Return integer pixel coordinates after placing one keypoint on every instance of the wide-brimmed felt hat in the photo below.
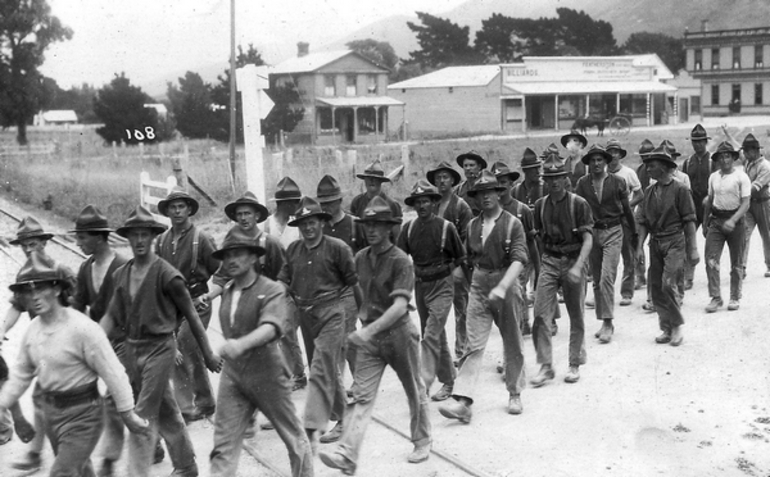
(596, 150)
(660, 153)
(308, 207)
(29, 228)
(500, 169)
(328, 190)
(529, 159)
(487, 181)
(670, 148)
(698, 133)
(553, 166)
(471, 155)
(178, 194)
(378, 210)
(576, 135)
(750, 142)
(91, 219)
(614, 144)
(237, 238)
(725, 147)
(248, 199)
(551, 149)
(422, 188)
(38, 268)
(374, 171)
(287, 189)
(140, 218)
(444, 166)
(646, 147)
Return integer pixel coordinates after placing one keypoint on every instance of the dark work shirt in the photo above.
(462, 191)
(459, 213)
(529, 193)
(505, 244)
(559, 230)
(88, 296)
(344, 230)
(699, 169)
(521, 212)
(614, 194)
(666, 208)
(313, 272)
(179, 254)
(644, 178)
(422, 240)
(384, 276)
(152, 311)
(575, 169)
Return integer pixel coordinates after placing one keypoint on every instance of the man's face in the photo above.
(87, 242)
(751, 153)
(489, 199)
(615, 162)
(373, 186)
(556, 184)
(471, 168)
(726, 162)
(699, 145)
(40, 297)
(311, 228)
(33, 244)
(532, 174)
(444, 181)
(332, 208)
(376, 232)
(246, 217)
(140, 240)
(178, 211)
(506, 182)
(655, 169)
(238, 261)
(597, 163)
(287, 207)
(574, 145)
(424, 207)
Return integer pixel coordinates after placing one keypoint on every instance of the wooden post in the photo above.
(252, 81)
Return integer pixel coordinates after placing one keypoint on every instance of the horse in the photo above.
(581, 124)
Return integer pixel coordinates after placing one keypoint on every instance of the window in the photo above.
(698, 60)
(694, 105)
(736, 57)
(350, 82)
(367, 120)
(758, 93)
(715, 94)
(736, 96)
(759, 53)
(329, 87)
(451, 89)
(325, 119)
(715, 58)
(371, 87)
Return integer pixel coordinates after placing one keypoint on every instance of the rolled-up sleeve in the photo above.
(403, 278)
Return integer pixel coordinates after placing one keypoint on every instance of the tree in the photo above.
(120, 107)
(27, 29)
(285, 115)
(191, 105)
(669, 49)
(495, 39)
(588, 36)
(380, 52)
(442, 43)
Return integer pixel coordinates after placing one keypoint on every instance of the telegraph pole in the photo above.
(233, 101)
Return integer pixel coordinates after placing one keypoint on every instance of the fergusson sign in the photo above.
(575, 69)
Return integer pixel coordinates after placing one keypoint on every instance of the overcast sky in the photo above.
(145, 38)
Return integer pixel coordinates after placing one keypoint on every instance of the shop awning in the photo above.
(559, 87)
(359, 101)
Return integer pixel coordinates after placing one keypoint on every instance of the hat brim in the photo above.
(475, 157)
(514, 175)
(580, 137)
(375, 219)
(532, 165)
(431, 175)
(693, 138)
(373, 176)
(410, 200)
(472, 193)
(555, 174)
(15, 287)
(220, 254)
(623, 152)
(163, 205)
(320, 215)
(328, 198)
(43, 236)
(155, 227)
(606, 155)
(657, 157)
(233, 206)
(716, 155)
(91, 229)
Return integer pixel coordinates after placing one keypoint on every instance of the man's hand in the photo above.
(497, 293)
(360, 337)
(693, 257)
(134, 423)
(213, 362)
(202, 303)
(728, 226)
(574, 274)
(179, 358)
(230, 350)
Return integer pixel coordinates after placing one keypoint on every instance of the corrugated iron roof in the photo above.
(309, 62)
(453, 76)
(350, 101)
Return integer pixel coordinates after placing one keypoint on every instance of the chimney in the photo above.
(704, 25)
(303, 48)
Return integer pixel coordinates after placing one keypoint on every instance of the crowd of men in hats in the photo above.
(488, 246)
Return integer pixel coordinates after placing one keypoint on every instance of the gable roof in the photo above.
(478, 75)
(314, 61)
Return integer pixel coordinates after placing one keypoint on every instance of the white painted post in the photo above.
(252, 81)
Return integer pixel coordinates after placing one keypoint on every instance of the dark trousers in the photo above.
(242, 392)
(628, 253)
(667, 260)
(758, 216)
(323, 329)
(460, 302)
(192, 387)
(149, 363)
(292, 353)
(434, 299)
(715, 243)
(74, 432)
(399, 348)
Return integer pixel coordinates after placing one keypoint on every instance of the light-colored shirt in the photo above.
(727, 190)
(65, 355)
(285, 235)
(632, 181)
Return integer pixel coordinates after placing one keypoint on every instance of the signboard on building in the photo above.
(582, 69)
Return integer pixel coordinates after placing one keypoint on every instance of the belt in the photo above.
(607, 224)
(490, 270)
(73, 397)
(322, 299)
(666, 235)
(723, 214)
(148, 338)
(558, 254)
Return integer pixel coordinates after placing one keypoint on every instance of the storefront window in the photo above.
(634, 105)
(366, 120)
(571, 107)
